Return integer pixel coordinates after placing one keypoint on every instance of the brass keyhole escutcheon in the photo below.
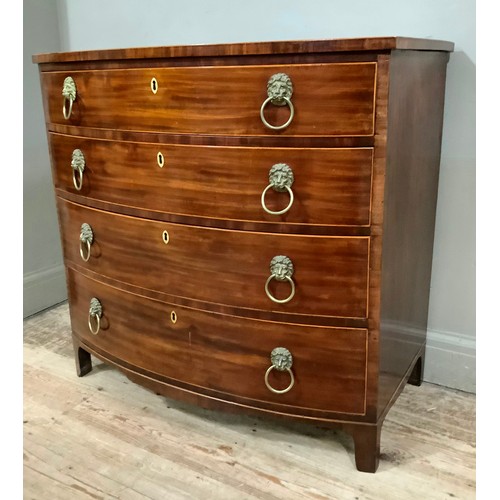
(160, 159)
(173, 317)
(165, 237)
(154, 85)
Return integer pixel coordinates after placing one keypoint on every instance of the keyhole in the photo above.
(166, 237)
(173, 317)
(160, 159)
(154, 85)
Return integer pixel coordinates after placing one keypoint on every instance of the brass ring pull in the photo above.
(272, 297)
(277, 127)
(69, 94)
(279, 92)
(281, 359)
(78, 179)
(282, 270)
(95, 313)
(97, 320)
(67, 114)
(85, 250)
(280, 179)
(86, 239)
(279, 212)
(78, 166)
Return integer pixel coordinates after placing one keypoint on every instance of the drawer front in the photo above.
(222, 266)
(225, 353)
(328, 99)
(330, 186)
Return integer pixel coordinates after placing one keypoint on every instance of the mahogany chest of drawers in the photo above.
(249, 227)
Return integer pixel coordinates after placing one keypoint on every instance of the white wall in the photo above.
(43, 271)
(94, 24)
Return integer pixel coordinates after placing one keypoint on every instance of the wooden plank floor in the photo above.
(103, 437)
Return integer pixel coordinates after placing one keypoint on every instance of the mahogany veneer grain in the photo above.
(331, 186)
(377, 44)
(223, 353)
(221, 266)
(364, 146)
(219, 100)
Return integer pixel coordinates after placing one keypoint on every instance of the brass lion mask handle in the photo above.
(78, 166)
(281, 268)
(86, 239)
(279, 93)
(69, 96)
(281, 360)
(281, 180)
(95, 314)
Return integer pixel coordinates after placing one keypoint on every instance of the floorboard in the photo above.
(103, 437)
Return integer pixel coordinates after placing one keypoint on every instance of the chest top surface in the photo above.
(252, 48)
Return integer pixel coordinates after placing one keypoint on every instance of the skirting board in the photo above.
(43, 288)
(450, 360)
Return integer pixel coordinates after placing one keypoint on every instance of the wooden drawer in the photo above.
(222, 266)
(335, 99)
(330, 186)
(225, 353)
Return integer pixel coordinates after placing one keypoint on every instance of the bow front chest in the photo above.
(249, 227)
